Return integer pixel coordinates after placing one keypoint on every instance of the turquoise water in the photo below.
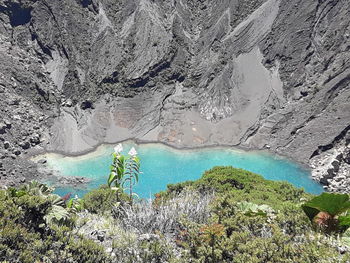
(162, 165)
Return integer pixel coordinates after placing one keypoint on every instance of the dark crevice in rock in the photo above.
(343, 83)
(155, 71)
(138, 83)
(144, 80)
(90, 5)
(85, 3)
(46, 50)
(323, 148)
(42, 93)
(114, 78)
(296, 129)
(65, 52)
(61, 41)
(251, 132)
(165, 98)
(87, 104)
(159, 68)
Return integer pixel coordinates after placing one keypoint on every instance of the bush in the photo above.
(282, 234)
(102, 200)
(164, 216)
(25, 236)
(246, 185)
(229, 215)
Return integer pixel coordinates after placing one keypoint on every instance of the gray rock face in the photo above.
(259, 74)
(331, 163)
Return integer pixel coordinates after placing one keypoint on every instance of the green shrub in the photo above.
(102, 200)
(263, 221)
(25, 237)
(229, 215)
(242, 185)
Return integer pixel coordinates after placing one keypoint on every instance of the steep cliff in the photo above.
(258, 74)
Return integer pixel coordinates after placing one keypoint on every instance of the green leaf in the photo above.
(56, 215)
(251, 209)
(70, 203)
(334, 204)
(56, 200)
(111, 178)
(344, 220)
(20, 193)
(121, 159)
(120, 172)
(310, 212)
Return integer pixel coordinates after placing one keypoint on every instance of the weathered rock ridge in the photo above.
(258, 74)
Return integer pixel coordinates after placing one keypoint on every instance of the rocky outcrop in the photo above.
(331, 163)
(259, 74)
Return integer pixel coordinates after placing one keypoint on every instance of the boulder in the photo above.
(100, 234)
(87, 104)
(17, 152)
(347, 157)
(2, 128)
(8, 124)
(24, 145)
(6, 144)
(336, 165)
(15, 101)
(42, 161)
(68, 103)
(35, 139)
(329, 175)
(101, 237)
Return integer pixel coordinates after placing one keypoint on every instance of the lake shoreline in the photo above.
(171, 165)
(33, 154)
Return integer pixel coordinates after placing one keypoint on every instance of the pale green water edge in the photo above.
(162, 165)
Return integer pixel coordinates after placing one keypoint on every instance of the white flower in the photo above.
(118, 149)
(132, 152)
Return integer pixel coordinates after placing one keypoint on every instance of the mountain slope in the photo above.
(258, 74)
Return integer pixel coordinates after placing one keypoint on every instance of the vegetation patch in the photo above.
(229, 215)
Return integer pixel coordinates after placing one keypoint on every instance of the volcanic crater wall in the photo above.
(258, 74)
